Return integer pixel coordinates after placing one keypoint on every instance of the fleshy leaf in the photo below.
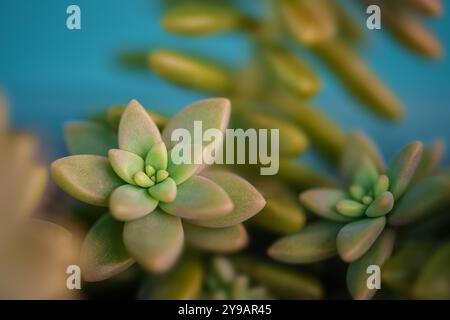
(130, 202)
(103, 254)
(246, 199)
(358, 145)
(154, 240)
(433, 281)
(322, 201)
(350, 208)
(183, 282)
(382, 205)
(89, 138)
(284, 282)
(157, 156)
(355, 238)
(357, 275)
(422, 199)
(432, 156)
(213, 113)
(183, 171)
(165, 191)
(219, 240)
(137, 131)
(402, 169)
(87, 178)
(313, 243)
(125, 164)
(366, 174)
(199, 198)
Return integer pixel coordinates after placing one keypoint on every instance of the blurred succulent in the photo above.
(155, 204)
(34, 253)
(358, 215)
(222, 283)
(419, 270)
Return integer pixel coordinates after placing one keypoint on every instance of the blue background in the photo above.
(53, 75)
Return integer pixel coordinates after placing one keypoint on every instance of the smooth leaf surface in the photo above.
(313, 243)
(355, 238)
(155, 240)
(129, 202)
(137, 131)
(322, 201)
(87, 178)
(103, 254)
(199, 198)
(219, 240)
(125, 164)
(246, 199)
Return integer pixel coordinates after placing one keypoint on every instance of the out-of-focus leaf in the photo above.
(87, 178)
(114, 115)
(299, 177)
(219, 240)
(292, 72)
(421, 200)
(281, 281)
(313, 243)
(359, 79)
(103, 254)
(433, 281)
(357, 275)
(192, 19)
(191, 72)
(89, 138)
(355, 238)
(403, 167)
(432, 155)
(155, 240)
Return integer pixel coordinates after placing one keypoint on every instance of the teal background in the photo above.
(53, 75)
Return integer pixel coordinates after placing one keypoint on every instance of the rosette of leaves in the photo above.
(34, 253)
(154, 203)
(359, 215)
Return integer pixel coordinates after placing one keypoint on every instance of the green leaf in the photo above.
(433, 281)
(355, 238)
(350, 208)
(322, 201)
(190, 71)
(87, 178)
(155, 240)
(357, 275)
(125, 164)
(366, 174)
(202, 19)
(183, 282)
(165, 191)
(114, 115)
(358, 146)
(137, 131)
(281, 281)
(382, 205)
(292, 72)
(213, 113)
(183, 171)
(219, 240)
(313, 243)
(432, 156)
(157, 156)
(130, 202)
(246, 199)
(89, 138)
(199, 198)
(402, 169)
(103, 254)
(421, 200)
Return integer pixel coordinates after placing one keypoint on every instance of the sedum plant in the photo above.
(358, 216)
(154, 203)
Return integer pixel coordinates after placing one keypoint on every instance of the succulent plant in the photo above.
(358, 215)
(34, 253)
(154, 203)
